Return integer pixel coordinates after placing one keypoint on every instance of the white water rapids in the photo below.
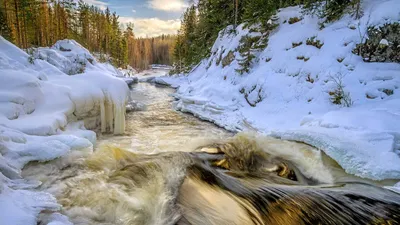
(140, 177)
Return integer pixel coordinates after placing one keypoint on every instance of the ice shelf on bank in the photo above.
(48, 100)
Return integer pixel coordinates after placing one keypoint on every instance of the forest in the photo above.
(202, 21)
(34, 23)
(39, 23)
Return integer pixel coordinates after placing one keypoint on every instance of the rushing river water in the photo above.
(171, 168)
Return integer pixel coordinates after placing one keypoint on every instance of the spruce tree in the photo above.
(259, 11)
(5, 30)
(246, 52)
(188, 37)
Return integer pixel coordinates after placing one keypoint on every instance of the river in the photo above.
(172, 168)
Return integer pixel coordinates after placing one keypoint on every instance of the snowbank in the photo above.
(44, 113)
(38, 97)
(288, 91)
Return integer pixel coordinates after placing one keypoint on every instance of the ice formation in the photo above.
(47, 101)
(39, 89)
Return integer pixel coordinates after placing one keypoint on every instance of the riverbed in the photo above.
(172, 168)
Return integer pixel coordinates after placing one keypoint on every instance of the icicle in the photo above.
(119, 118)
(103, 116)
(110, 115)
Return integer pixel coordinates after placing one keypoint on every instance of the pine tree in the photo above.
(259, 11)
(32, 23)
(245, 49)
(188, 37)
(5, 30)
(199, 29)
(178, 54)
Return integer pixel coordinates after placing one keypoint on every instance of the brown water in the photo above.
(171, 168)
(159, 128)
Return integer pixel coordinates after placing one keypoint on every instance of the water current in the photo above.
(172, 168)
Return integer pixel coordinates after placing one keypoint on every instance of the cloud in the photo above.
(151, 27)
(98, 3)
(167, 5)
(134, 11)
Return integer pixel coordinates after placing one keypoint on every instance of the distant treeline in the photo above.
(146, 51)
(34, 23)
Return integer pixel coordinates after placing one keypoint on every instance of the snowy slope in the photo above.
(42, 93)
(290, 84)
(44, 113)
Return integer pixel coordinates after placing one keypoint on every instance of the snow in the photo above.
(20, 207)
(295, 93)
(384, 42)
(150, 74)
(48, 100)
(40, 98)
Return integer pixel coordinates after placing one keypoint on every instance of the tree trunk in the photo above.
(6, 13)
(358, 13)
(24, 37)
(17, 23)
(236, 12)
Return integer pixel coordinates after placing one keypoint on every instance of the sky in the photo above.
(150, 17)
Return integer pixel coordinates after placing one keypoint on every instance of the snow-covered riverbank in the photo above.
(287, 93)
(47, 100)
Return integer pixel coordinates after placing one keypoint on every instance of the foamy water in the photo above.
(171, 168)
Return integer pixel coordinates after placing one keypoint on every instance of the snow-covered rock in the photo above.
(39, 98)
(45, 109)
(21, 207)
(128, 72)
(135, 106)
(384, 42)
(131, 80)
(72, 58)
(288, 91)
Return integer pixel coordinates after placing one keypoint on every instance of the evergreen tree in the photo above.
(31, 23)
(178, 55)
(245, 49)
(202, 22)
(187, 40)
(332, 10)
(213, 16)
(5, 30)
(259, 11)
(199, 28)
